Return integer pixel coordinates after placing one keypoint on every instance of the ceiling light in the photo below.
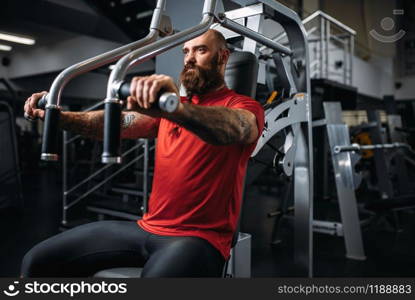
(5, 48)
(144, 14)
(16, 38)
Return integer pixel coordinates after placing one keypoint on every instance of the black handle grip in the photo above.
(42, 102)
(166, 101)
(112, 133)
(50, 134)
(124, 90)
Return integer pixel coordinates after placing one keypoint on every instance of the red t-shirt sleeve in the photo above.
(244, 102)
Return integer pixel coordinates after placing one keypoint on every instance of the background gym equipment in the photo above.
(10, 177)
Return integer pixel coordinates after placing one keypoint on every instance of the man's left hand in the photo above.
(145, 90)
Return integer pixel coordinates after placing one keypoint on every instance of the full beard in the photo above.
(198, 80)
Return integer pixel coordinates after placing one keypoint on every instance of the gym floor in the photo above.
(389, 253)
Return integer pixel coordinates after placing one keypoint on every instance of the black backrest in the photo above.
(241, 76)
(241, 73)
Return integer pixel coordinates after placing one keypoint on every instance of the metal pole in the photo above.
(238, 28)
(321, 47)
(345, 61)
(357, 147)
(327, 48)
(351, 58)
(65, 178)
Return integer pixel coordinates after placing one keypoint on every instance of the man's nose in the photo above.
(190, 58)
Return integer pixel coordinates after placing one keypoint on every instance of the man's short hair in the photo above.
(220, 38)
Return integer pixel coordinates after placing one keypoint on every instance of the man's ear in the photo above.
(224, 56)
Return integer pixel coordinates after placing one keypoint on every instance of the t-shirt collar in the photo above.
(196, 99)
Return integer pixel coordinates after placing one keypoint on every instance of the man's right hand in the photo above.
(30, 107)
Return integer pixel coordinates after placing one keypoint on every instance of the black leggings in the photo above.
(86, 249)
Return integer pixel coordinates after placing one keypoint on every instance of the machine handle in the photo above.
(112, 133)
(50, 134)
(42, 102)
(167, 102)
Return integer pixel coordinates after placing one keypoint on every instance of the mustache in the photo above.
(191, 66)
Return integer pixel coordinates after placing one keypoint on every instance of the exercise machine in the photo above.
(292, 115)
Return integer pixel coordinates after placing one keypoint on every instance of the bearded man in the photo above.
(201, 157)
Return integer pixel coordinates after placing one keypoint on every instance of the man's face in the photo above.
(203, 65)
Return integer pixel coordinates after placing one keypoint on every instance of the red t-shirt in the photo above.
(197, 187)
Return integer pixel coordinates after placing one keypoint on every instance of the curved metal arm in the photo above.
(50, 132)
(112, 116)
(66, 75)
(150, 51)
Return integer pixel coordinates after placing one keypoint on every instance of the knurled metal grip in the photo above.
(50, 134)
(112, 132)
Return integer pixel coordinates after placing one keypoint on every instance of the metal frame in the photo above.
(346, 179)
(68, 203)
(320, 65)
(387, 188)
(68, 191)
(345, 156)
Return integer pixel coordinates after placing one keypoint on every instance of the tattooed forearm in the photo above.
(217, 125)
(128, 120)
(244, 125)
(91, 124)
(88, 124)
(135, 125)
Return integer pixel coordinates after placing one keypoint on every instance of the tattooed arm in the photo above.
(214, 124)
(217, 125)
(91, 124)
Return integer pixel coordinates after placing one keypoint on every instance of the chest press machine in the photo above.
(292, 115)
